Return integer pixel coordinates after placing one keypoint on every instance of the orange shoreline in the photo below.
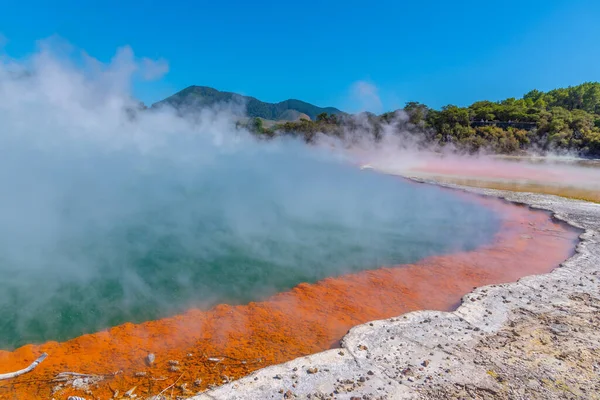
(228, 342)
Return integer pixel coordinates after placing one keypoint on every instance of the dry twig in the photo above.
(170, 386)
(34, 364)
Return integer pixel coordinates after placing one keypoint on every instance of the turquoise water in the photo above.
(134, 244)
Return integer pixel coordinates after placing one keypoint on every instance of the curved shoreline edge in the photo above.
(534, 338)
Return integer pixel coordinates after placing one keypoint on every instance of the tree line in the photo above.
(561, 120)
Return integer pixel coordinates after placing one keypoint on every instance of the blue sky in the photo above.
(328, 52)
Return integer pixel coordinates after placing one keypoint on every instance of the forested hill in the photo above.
(195, 97)
(561, 120)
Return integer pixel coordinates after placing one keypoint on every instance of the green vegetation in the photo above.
(195, 97)
(561, 120)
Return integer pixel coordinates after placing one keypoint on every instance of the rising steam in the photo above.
(112, 213)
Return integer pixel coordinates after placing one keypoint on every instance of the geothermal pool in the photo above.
(194, 248)
(145, 244)
(212, 346)
(125, 233)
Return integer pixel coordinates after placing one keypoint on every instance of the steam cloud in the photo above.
(367, 95)
(110, 213)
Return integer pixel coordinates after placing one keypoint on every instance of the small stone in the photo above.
(198, 382)
(173, 362)
(288, 395)
(278, 377)
(173, 368)
(150, 359)
(129, 393)
(140, 374)
(370, 373)
(312, 370)
(425, 363)
(558, 328)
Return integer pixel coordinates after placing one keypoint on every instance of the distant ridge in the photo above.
(196, 97)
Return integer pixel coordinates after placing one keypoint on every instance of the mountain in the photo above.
(195, 97)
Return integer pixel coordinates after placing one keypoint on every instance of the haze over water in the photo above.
(110, 214)
(151, 238)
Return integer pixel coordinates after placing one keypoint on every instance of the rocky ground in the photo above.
(537, 338)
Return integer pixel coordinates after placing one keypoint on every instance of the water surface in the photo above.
(145, 243)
